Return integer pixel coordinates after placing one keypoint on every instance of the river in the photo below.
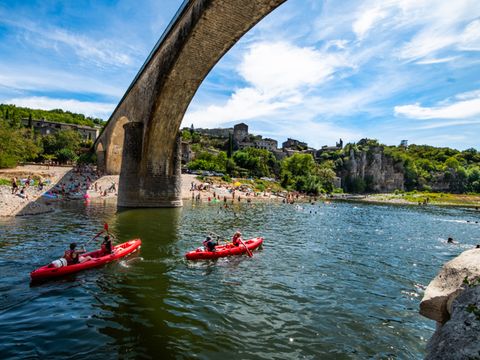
(338, 281)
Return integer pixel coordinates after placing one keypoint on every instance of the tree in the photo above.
(16, 145)
(259, 162)
(230, 145)
(66, 155)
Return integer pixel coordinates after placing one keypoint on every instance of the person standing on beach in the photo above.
(14, 185)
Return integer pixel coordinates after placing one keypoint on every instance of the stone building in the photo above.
(267, 144)
(240, 132)
(293, 144)
(187, 153)
(45, 127)
(217, 132)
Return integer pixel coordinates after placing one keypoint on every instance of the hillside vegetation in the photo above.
(20, 144)
(421, 167)
(14, 114)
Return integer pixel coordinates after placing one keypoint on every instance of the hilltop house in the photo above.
(45, 127)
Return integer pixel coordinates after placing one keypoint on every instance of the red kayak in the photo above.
(56, 269)
(224, 250)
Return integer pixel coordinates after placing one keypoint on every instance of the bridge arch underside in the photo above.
(114, 149)
(100, 154)
(204, 32)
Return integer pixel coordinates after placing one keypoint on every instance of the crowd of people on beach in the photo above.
(79, 183)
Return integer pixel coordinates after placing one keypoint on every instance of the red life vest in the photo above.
(71, 256)
(236, 240)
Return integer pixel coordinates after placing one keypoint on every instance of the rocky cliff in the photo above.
(378, 172)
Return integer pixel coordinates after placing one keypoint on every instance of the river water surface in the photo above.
(338, 281)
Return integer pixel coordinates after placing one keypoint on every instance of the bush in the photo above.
(87, 158)
(66, 155)
(226, 178)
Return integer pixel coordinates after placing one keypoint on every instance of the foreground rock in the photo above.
(455, 306)
(459, 338)
(447, 285)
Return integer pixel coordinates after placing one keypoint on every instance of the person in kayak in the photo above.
(209, 243)
(107, 245)
(74, 256)
(237, 238)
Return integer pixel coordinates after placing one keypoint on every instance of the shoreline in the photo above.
(392, 199)
(85, 184)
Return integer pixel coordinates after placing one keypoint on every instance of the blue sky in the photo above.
(312, 70)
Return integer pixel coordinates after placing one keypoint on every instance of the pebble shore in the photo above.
(37, 202)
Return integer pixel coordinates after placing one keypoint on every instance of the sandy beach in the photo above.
(84, 184)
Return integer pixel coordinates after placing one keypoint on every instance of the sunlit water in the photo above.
(339, 281)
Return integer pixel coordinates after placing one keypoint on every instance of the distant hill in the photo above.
(14, 114)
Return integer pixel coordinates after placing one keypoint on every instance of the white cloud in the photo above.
(367, 20)
(39, 79)
(99, 51)
(277, 73)
(470, 38)
(467, 107)
(436, 61)
(441, 26)
(279, 67)
(94, 109)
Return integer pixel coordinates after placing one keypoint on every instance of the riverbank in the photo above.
(86, 184)
(49, 185)
(420, 198)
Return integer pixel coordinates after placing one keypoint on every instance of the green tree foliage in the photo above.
(186, 135)
(209, 162)
(14, 114)
(64, 145)
(66, 155)
(423, 163)
(258, 162)
(16, 145)
(230, 145)
(300, 172)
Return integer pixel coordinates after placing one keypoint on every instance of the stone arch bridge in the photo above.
(141, 139)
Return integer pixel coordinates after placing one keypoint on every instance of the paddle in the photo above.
(246, 248)
(105, 228)
(100, 233)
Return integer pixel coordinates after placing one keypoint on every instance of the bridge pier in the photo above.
(153, 186)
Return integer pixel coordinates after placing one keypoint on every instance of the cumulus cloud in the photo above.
(94, 109)
(277, 74)
(279, 67)
(466, 106)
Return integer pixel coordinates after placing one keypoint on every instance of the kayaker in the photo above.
(107, 245)
(74, 256)
(209, 243)
(237, 238)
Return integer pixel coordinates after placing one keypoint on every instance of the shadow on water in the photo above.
(137, 320)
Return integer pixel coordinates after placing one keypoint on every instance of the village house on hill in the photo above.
(242, 139)
(45, 127)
